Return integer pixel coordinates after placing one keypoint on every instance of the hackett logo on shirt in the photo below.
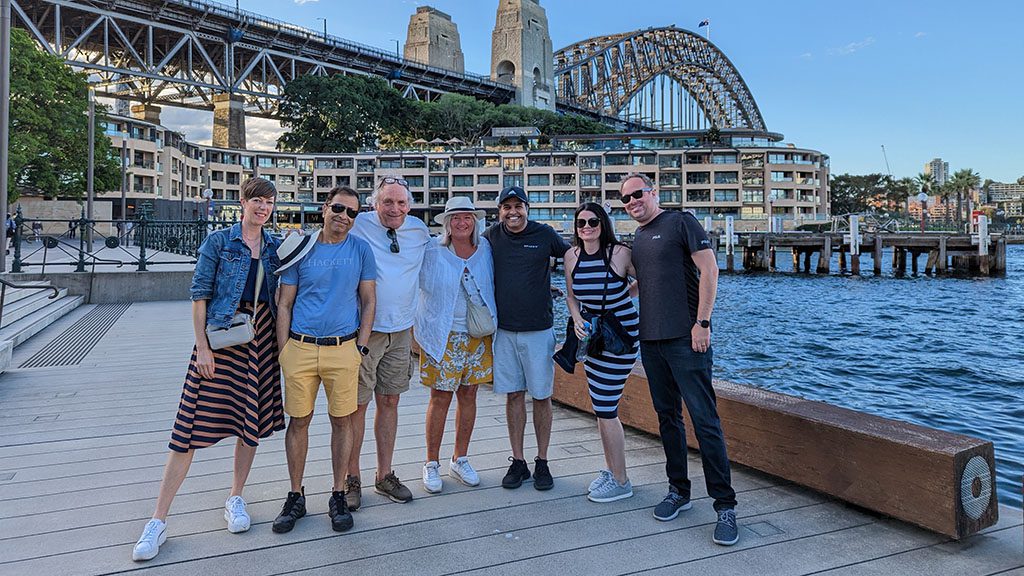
(656, 237)
(531, 246)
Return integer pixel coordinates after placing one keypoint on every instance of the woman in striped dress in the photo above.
(236, 390)
(597, 272)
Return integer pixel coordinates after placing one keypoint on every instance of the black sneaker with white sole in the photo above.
(671, 506)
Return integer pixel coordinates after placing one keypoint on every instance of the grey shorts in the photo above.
(387, 369)
(522, 362)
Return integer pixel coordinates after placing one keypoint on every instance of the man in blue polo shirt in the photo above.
(325, 313)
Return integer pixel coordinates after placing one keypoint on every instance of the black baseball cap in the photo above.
(513, 192)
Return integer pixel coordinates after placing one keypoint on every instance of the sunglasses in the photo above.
(339, 208)
(393, 236)
(592, 222)
(634, 195)
(392, 180)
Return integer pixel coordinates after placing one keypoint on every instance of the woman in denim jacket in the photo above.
(233, 391)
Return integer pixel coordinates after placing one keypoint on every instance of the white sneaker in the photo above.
(432, 477)
(461, 470)
(148, 546)
(235, 514)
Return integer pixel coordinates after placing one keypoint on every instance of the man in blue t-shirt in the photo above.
(325, 313)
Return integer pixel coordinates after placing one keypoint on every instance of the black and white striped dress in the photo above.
(592, 281)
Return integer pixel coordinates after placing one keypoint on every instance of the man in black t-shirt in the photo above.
(677, 273)
(525, 341)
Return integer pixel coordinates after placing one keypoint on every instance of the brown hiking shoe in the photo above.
(353, 493)
(391, 487)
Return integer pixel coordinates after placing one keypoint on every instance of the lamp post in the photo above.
(325, 28)
(5, 97)
(89, 175)
(923, 198)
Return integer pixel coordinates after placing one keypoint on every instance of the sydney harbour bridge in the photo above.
(194, 53)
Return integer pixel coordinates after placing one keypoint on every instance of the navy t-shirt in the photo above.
(668, 279)
(522, 275)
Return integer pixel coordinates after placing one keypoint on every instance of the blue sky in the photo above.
(925, 78)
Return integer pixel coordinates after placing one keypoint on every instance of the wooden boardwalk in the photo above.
(82, 449)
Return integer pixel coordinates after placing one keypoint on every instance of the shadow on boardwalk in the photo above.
(82, 449)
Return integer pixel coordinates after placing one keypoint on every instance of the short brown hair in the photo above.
(257, 187)
(648, 183)
(344, 191)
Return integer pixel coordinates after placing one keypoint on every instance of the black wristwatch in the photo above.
(704, 323)
(365, 351)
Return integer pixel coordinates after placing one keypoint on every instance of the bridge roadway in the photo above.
(82, 449)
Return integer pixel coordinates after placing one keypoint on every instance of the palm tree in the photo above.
(963, 182)
(925, 183)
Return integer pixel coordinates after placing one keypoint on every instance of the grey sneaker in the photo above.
(726, 531)
(611, 491)
(353, 493)
(670, 507)
(391, 487)
(602, 477)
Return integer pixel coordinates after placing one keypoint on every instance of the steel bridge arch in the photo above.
(604, 73)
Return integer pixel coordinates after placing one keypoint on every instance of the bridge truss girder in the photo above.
(178, 53)
(605, 73)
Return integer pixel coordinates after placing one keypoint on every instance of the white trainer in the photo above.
(461, 470)
(236, 516)
(432, 477)
(148, 546)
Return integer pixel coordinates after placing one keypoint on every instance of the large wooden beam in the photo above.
(942, 481)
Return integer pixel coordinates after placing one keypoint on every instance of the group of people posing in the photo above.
(340, 308)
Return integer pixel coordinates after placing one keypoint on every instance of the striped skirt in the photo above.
(244, 397)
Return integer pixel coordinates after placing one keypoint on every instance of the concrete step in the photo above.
(34, 322)
(13, 295)
(27, 305)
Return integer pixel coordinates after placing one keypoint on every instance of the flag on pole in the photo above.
(703, 23)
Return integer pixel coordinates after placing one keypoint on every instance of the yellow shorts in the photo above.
(467, 361)
(306, 365)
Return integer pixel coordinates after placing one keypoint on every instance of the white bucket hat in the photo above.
(458, 204)
(294, 247)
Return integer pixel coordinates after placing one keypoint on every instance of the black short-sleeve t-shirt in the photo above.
(668, 279)
(522, 276)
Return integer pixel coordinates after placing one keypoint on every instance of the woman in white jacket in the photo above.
(456, 299)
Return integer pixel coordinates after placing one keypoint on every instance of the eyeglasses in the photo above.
(392, 180)
(339, 208)
(393, 236)
(634, 195)
(592, 222)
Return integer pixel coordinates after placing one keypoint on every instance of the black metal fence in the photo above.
(90, 243)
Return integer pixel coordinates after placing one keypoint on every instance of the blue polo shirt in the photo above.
(327, 300)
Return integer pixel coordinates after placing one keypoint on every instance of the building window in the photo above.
(343, 181)
(753, 196)
(726, 178)
(723, 159)
(462, 181)
(565, 179)
(324, 181)
(666, 179)
(414, 181)
(305, 166)
(670, 161)
(569, 197)
(324, 164)
(438, 164)
(539, 161)
(590, 180)
(364, 182)
(344, 163)
(512, 180)
(780, 194)
(390, 164)
(698, 178)
(782, 176)
(464, 162)
(538, 180)
(540, 197)
(616, 160)
(286, 180)
(512, 164)
(670, 196)
(487, 179)
(414, 163)
(490, 196)
(285, 163)
(364, 166)
(698, 195)
(439, 182)
(590, 162)
(726, 195)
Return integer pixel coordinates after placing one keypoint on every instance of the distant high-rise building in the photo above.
(938, 169)
(433, 39)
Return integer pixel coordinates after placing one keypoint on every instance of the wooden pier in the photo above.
(946, 253)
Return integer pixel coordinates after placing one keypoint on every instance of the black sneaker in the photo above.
(726, 531)
(542, 479)
(670, 507)
(337, 509)
(293, 509)
(517, 472)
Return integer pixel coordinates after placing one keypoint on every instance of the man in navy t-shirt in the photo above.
(677, 273)
(525, 341)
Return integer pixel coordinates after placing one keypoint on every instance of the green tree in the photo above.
(853, 194)
(48, 112)
(963, 182)
(898, 193)
(340, 113)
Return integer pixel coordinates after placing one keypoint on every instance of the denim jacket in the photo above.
(223, 268)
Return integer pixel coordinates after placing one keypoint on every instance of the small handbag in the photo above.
(241, 330)
(607, 334)
(479, 322)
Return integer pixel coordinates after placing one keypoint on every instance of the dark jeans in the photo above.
(676, 373)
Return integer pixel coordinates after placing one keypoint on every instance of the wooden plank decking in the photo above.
(82, 449)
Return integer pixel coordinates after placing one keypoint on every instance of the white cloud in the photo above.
(920, 35)
(806, 56)
(301, 2)
(197, 125)
(262, 133)
(852, 47)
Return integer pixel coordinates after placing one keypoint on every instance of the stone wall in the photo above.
(62, 211)
(521, 52)
(433, 39)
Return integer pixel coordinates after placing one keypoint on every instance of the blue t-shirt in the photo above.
(327, 301)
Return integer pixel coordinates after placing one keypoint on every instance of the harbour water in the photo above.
(941, 352)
